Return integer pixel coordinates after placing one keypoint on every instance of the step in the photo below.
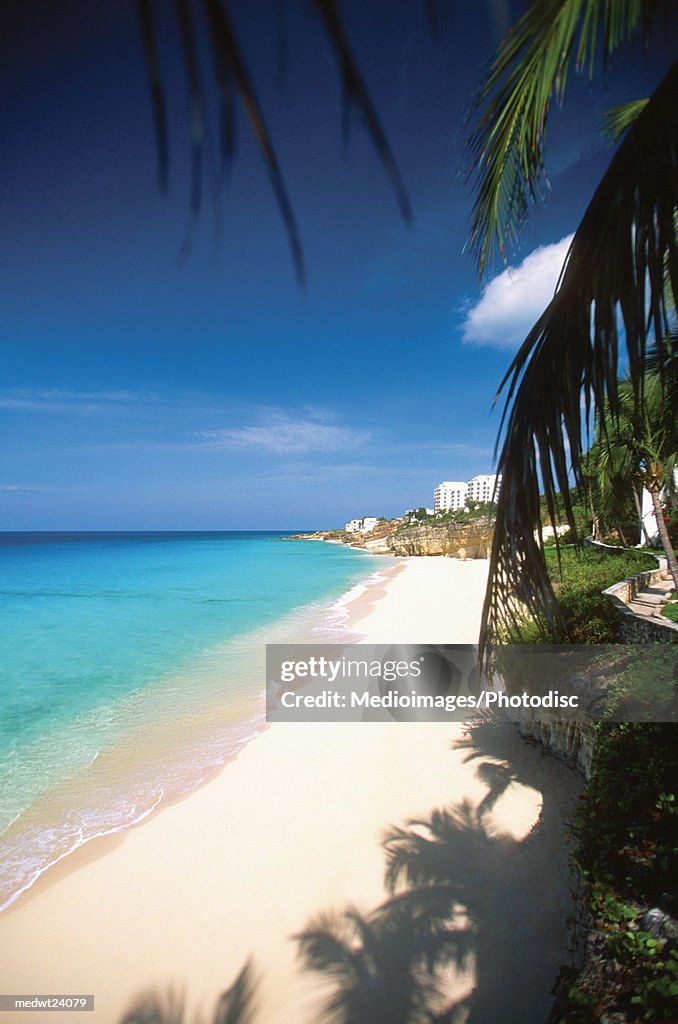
(651, 600)
(647, 611)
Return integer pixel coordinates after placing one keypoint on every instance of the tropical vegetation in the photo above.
(626, 830)
(617, 289)
(638, 449)
(473, 511)
(578, 577)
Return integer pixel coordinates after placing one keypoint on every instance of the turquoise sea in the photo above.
(132, 668)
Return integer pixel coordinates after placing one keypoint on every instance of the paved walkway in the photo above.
(650, 601)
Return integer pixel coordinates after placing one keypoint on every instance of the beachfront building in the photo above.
(449, 496)
(481, 488)
(363, 525)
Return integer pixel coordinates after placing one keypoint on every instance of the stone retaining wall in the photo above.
(574, 742)
(635, 628)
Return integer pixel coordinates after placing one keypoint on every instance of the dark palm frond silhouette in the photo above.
(356, 93)
(234, 84)
(236, 1005)
(640, 446)
(158, 101)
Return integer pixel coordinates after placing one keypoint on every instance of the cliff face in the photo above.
(460, 540)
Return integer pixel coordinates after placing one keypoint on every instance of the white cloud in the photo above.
(512, 302)
(22, 488)
(282, 434)
(67, 402)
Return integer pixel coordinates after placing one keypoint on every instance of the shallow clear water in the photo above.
(132, 666)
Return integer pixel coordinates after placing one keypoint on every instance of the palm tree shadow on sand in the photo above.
(475, 926)
(467, 901)
(237, 1005)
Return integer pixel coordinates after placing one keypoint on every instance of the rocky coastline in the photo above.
(395, 537)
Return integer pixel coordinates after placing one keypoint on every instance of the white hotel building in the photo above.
(481, 488)
(451, 496)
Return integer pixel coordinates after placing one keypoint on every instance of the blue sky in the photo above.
(138, 393)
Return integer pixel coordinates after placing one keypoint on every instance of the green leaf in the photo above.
(529, 72)
(618, 119)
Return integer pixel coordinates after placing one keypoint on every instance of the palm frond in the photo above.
(530, 71)
(356, 92)
(620, 281)
(618, 119)
(148, 39)
(229, 57)
(233, 82)
(232, 79)
(197, 120)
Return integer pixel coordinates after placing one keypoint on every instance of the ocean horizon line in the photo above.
(138, 532)
(8, 537)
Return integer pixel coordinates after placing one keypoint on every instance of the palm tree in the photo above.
(617, 288)
(614, 498)
(640, 445)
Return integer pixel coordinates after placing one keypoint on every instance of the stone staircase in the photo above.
(639, 601)
(651, 599)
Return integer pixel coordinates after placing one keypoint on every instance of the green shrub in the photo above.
(642, 683)
(579, 575)
(627, 820)
(671, 611)
(626, 828)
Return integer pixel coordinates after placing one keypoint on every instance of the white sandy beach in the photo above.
(293, 827)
